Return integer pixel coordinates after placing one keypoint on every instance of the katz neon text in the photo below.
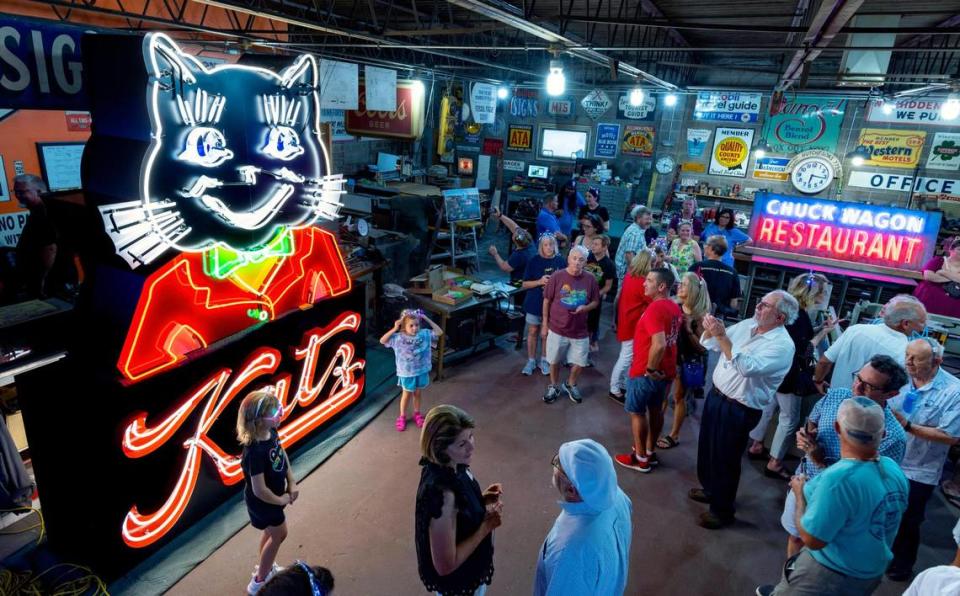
(319, 393)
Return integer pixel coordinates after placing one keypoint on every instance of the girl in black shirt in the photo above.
(454, 519)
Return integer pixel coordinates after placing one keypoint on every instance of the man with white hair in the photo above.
(588, 549)
(567, 298)
(37, 248)
(848, 515)
(928, 408)
(902, 319)
(636, 237)
(755, 355)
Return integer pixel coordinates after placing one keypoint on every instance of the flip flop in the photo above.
(667, 442)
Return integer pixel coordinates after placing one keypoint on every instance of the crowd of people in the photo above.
(874, 445)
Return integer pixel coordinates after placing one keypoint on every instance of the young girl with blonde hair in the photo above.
(411, 347)
(269, 485)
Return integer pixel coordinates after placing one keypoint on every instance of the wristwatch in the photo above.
(907, 426)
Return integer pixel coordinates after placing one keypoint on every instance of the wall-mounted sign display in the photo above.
(944, 152)
(525, 103)
(727, 106)
(731, 150)
(645, 111)
(909, 111)
(4, 190)
(337, 120)
(852, 233)
(637, 141)
(596, 103)
(60, 164)
(213, 281)
(78, 121)
(693, 167)
(483, 103)
(467, 149)
(560, 107)
(380, 88)
(608, 137)
(771, 168)
(519, 137)
(340, 87)
(806, 122)
(892, 148)
(492, 147)
(513, 165)
(697, 141)
(878, 181)
(41, 64)
(406, 122)
(813, 171)
(11, 225)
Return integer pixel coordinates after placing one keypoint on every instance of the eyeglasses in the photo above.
(868, 386)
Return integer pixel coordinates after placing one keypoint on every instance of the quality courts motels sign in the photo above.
(850, 232)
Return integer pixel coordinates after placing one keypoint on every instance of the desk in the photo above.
(447, 311)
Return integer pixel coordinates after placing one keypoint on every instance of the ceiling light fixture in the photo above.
(670, 100)
(636, 96)
(556, 81)
(502, 93)
(950, 109)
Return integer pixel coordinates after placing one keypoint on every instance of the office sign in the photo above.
(892, 148)
(910, 111)
(727, 106)
(944, 152)
(771, 168)
(637, 141)
(806, 122)
(608, 137)
(922, 184)
(645, 111)
(40, 64)
(731, 150)
(519, 137)
(850, 232)
(560, 108)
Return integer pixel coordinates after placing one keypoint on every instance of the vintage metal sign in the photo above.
(596, 103)
(731, 150)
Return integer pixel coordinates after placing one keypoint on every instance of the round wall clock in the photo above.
(666, 164)
(812, 174)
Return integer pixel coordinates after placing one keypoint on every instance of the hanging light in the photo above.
(636, 96)
(502, 93)
(859, 155)
(887, 107)
(950, 109)
(556, 81)
(761, 149)
(670, 100)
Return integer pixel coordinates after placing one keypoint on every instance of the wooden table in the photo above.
(448, 311)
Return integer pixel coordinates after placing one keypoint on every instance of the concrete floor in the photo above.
(355, 513)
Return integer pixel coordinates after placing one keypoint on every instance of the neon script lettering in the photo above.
(340, 383)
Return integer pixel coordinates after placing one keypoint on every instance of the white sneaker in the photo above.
(530, 366)
(254, 586)
(545, 367)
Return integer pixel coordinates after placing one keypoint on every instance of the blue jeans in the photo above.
(643, 393)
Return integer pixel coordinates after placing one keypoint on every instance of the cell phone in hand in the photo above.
(810, 427)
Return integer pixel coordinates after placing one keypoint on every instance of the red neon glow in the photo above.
(182, 309)
(140, 439)
(836, 242)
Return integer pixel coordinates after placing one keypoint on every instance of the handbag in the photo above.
(952, 289)
(693, 373)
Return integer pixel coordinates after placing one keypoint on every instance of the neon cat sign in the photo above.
(314, 401)
(854, 232)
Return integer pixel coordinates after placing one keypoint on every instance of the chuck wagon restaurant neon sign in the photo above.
(851, 232)
(209, 278)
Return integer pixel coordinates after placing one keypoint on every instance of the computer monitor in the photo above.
(535, 171)
(387, 162)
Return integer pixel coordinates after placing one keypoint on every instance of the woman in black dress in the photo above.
(454, 518)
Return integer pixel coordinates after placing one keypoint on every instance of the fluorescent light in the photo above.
(636, 96)
(502, 93)
(670, 100)
(556, 81)
(950, 109)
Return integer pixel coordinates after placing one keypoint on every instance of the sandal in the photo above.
(781, 474)
(667, 442)
(401, 423)
(418, 419)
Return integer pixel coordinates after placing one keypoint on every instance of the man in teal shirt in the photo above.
(849, 514)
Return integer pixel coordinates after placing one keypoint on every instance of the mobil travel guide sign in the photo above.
(854, 233)
(727, 106)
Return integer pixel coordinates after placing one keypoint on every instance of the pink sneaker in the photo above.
(401, 424)
(418, 419)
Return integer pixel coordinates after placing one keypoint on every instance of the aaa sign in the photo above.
(520, 138)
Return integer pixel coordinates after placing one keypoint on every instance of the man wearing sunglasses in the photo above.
(928, 408)
(880, 379)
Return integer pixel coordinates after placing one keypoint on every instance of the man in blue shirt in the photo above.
(880, 379)
(928, 408)
(547, 221)
(848, 515)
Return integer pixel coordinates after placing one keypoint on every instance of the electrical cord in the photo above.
(27, 584)
(40, 524)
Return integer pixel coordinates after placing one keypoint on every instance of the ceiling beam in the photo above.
(441, 31)
(950, 23)
(749, 28)
(829, 20)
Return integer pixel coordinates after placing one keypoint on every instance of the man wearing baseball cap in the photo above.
(849, 514)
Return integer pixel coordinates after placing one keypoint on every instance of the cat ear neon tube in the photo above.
(844, 231)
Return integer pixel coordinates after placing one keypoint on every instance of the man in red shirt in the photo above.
(653, 369)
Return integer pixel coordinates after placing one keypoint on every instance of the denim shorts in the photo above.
(413, 383)
(533, 319)
(644, 393)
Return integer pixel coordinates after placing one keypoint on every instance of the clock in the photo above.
(665, 164)
(812, 174)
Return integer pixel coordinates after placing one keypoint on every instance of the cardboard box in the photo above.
(433, 279)
(452, 296)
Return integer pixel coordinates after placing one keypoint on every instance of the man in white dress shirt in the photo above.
(928, 408)
(903, 316)
(755, 355)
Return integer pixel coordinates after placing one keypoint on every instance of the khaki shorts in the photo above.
(576, 351)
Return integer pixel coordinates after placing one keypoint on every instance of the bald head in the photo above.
(923, 358)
